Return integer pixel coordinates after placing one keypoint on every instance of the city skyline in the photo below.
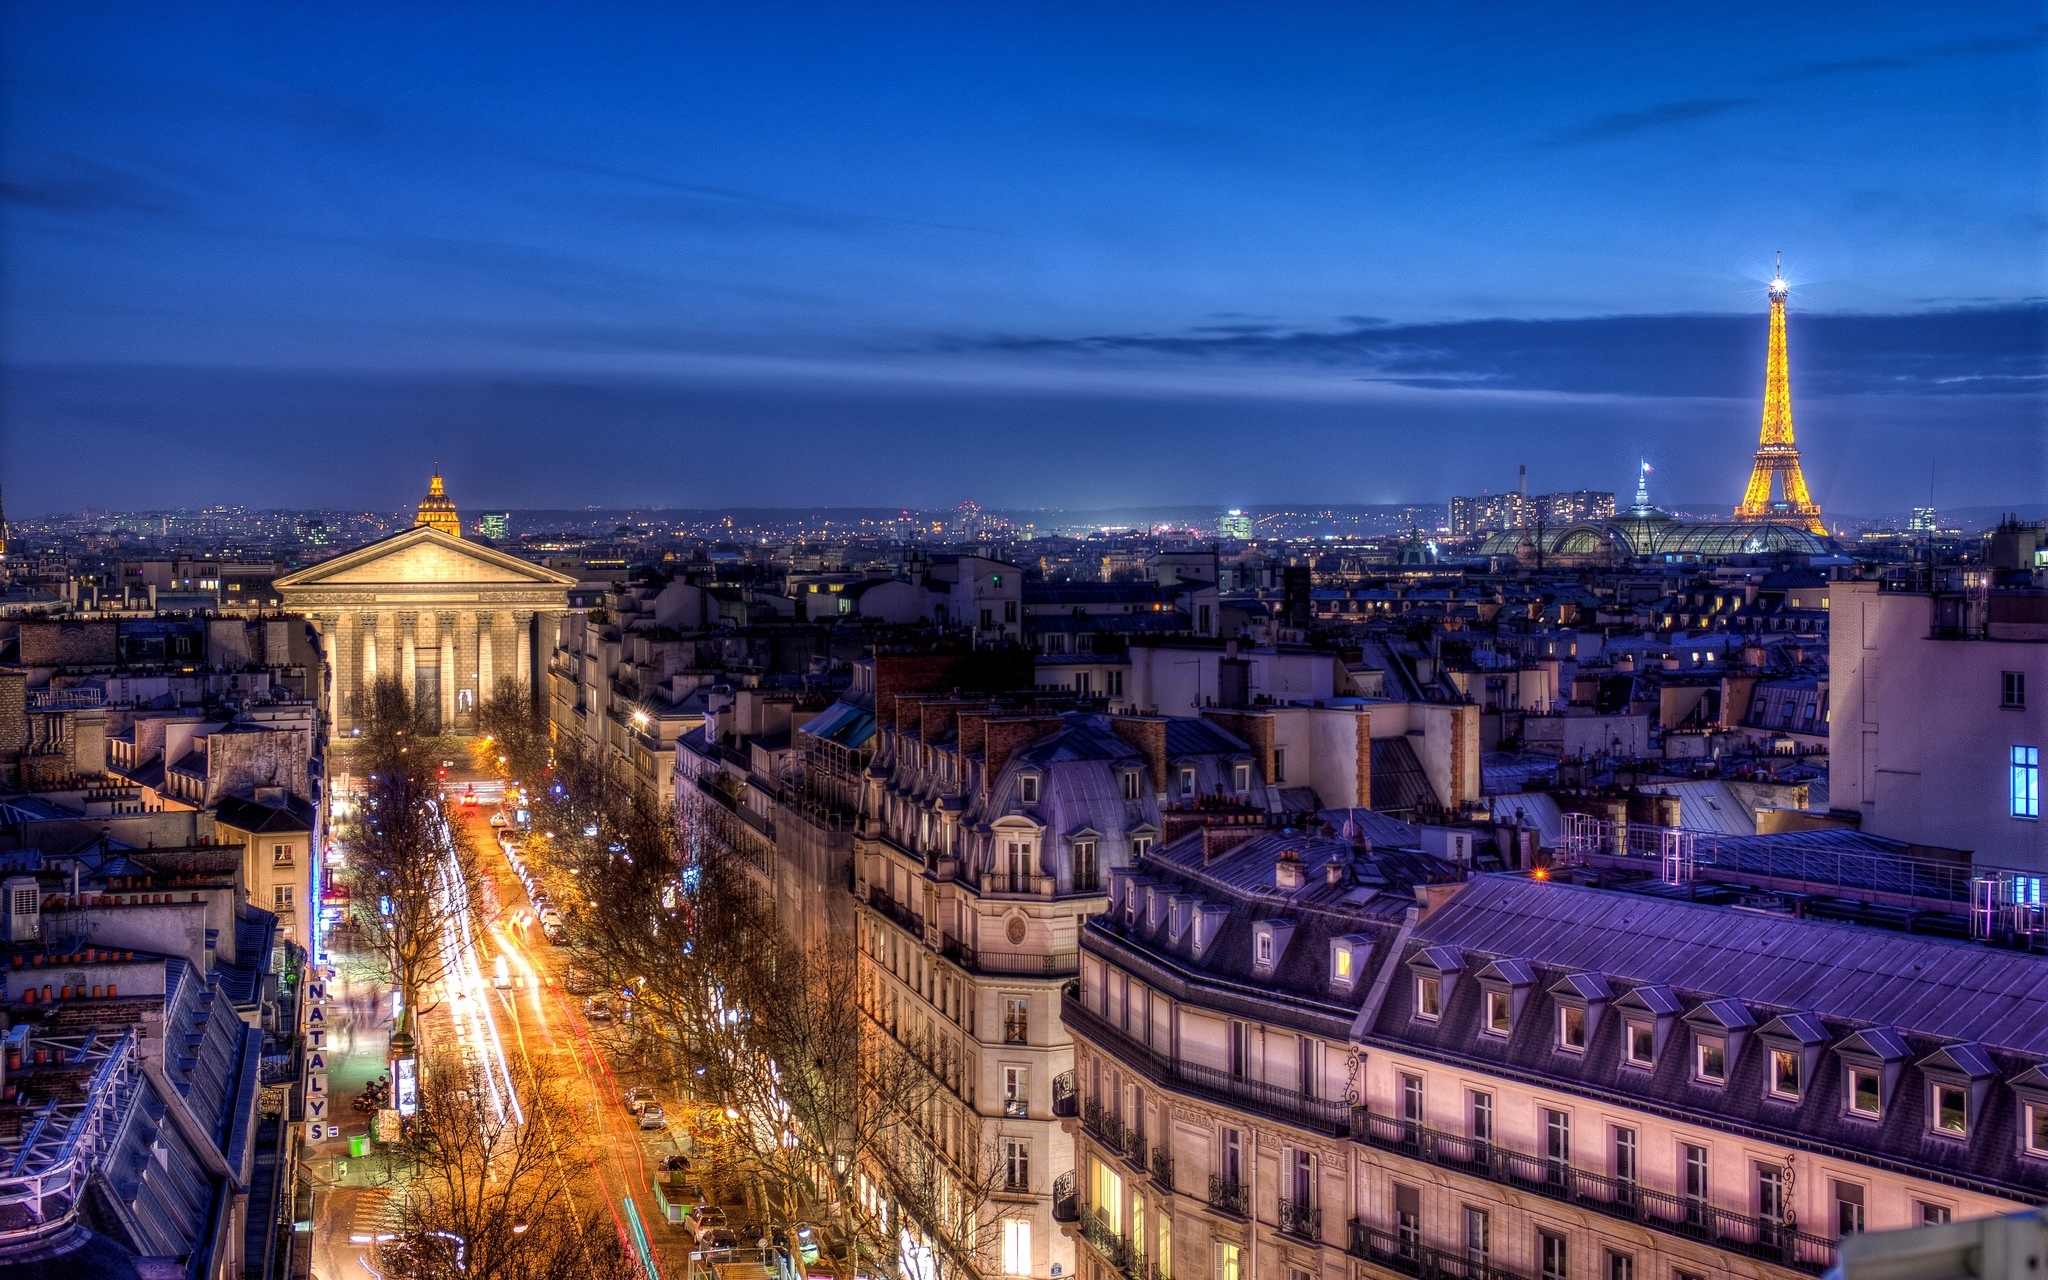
(1198, 261)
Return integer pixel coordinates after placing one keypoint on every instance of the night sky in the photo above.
(1082, 255)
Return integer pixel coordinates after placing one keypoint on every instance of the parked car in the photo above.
(597, 1009)
(497, 819)
(704, 1218)
(638, 1096)
(717, 1240)
(652, 1116)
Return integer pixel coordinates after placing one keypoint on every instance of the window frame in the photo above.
(1569, 1015)
(2033, 1123)
(1506, 1023)
(1701, 1043)
(1774, 1063)
(1027, 788)
(1629, 1029)
(1429, 998)
(1852, 1070)
(1935, 1127)
(2024, 782)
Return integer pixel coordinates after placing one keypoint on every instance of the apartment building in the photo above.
(1299, 1057)
(987, 838)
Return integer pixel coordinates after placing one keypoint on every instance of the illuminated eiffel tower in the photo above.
(1777, 458)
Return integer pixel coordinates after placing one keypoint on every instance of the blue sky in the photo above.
(1075, 255)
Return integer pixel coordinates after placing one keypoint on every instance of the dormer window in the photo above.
(1865, 1096)
(1959, 1080)
(1140, 846)
(1710, 1059)
(1500, 1013)
(1187, 782)
(1027, 788)
(1785, 1074)
(1639, 1043)
(1340, 966)
(1130, 783)
(1949, 1109)
(1347, 960)
(1571, 1028)
(1262, 949)
(1429, 999)
(1241, 778)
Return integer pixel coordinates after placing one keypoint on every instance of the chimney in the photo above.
(1337, 870)
(1005, 734)
(1217, 841)
(1287, 869)
(1148, 735)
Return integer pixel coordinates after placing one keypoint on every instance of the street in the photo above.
(534, 1026)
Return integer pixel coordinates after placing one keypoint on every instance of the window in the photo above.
(1009, 610)
(1016, 1020)
(1241, 778)
(1571, 1028)
(1500, 1018)
(1557, 1144)
(1429, 993)
(1087, 876)
(2026, 782)
(1785, 1074)
(1710, 1061)
(1482, 1116)
(2012, 690)
(1262, 948)
(1229, 1262)
(988, 619)
(1624, 1154)
(1017, 1092)
(1115, 681)
(281, 897)
(2036, 1129)
(1620, 1266)
(1016, 1247)
(1187, 782)
(1863, 1093)
(1411, 1098)
(1639, 1044)
(1478, 1235)
(1233, 1157)
(1770, 1193)
(1951, 1109)
(1028, 788)
(1240, 1049)
(1016, 1165)
(1340, 965)
(280, 855)
(1279, 764)
(1555, 1256)
(1848, 1208)
(1140, 845)
(1407, 1220)
(1165, 1247)
(1695, 1161)
(1130, 784)
(1934, 1215)
(1306, 1063)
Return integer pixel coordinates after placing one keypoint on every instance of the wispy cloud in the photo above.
(1906, 60)
(1625, 124)
(1973, 351)
(754, 205)
(69, 184)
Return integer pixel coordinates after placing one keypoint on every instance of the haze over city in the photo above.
(1283, 255)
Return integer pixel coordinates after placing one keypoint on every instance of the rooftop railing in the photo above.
(1770, 1239)
(1215, 1083)
(61, 1143)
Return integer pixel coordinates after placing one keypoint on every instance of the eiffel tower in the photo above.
(1777, 458)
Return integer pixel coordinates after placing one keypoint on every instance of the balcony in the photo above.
(1226, 1196)
(1120, 1253)
(1058, 964)
(903, 916)
(1108, 1129)
(1213, 1083)
(1064, 1097)
(1162, 1168)
(1134, 1146)
(1409, 1255)
(1300, 1219)
(1768, 1239)
(1063, 1203)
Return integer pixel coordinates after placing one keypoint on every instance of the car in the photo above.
(717, 1240)
(652, 1117)
(705, 1218)
(638, 1096)
(597, 1009)
(497, 819)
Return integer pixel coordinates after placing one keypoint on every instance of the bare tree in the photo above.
(488, 1199)
(514, 733)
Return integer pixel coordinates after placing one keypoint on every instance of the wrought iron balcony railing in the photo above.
(1064, 1097)
(1102, 1236)
(1162, 1168)
(1300, 1219)
(1065, 1208)
(1769, 1239)
(1406, 1253)
(1227, 1197)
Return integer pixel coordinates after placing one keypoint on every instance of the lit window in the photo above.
(1016, 1248)
(1429, 998)
(1639, 1040)
(1229, 1262)
(1951, 1110)
(2026, 782)
(1340, 964)
(1785, 1073)
(1864, 1096)
(1571, 1028)
(2037, 1129)
(1710, 1062)
(1499, 1013)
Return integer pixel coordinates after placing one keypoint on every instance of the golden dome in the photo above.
(437, 509)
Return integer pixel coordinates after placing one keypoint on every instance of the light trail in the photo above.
(475, 1022)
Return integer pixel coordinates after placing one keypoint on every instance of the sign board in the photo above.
(387, 1125)
(406, 1072)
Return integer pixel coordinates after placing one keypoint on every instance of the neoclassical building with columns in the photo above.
(448, 616)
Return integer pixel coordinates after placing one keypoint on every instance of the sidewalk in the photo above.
(349, 1196)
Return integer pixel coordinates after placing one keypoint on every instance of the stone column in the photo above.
(522, 645)
(369, 621)
(329, 625)
(486, 679)
(449, 675)
(408, 668)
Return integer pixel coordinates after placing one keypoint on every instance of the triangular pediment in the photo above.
(424, 556)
